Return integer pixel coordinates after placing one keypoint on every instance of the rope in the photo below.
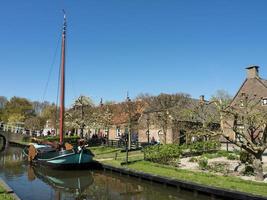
(51, 69)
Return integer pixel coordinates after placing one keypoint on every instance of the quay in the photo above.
(8, 190)
(173, 182)
(185, 185)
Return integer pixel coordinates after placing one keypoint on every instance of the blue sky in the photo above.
(115, 46)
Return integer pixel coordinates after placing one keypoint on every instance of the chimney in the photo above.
(101, 102)
(202, 98)
(252, 72)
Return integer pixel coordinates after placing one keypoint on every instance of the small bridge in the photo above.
(11, 133)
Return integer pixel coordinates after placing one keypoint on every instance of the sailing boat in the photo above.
(65, 156)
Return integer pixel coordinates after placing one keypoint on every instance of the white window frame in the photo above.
(118, 131)
(264, 101)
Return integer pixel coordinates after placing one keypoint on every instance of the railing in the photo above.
(11, 128)
(113, 143)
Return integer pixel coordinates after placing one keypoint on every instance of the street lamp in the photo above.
(147, 132)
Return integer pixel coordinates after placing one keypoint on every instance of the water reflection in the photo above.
(11, 162)
(66, 183)
(46, 184)
(2, 143)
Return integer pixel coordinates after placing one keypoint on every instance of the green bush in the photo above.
(204, 146)
(69, 139)
(174, 162)
(203, 163)
(245, 157)
(220, 167)
(232, 156)
(162, 153)
(248, 171)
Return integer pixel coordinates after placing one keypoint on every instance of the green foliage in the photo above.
(203, 163)
(204, 146)
(232, 156)
(26, 139)
(70, 139)
(245, 157)
(248, 171)
(18, 109)
(164, 153)
(220, 167)
(221, 153)
(174, 162)
(34, 123)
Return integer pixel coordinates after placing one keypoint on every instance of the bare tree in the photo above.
(77, 116)
(243, 124)
(167, 108)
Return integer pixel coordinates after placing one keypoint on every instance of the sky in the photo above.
(115, 46)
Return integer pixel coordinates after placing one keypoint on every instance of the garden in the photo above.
(205, 163)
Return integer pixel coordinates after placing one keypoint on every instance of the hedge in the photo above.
(166, 153)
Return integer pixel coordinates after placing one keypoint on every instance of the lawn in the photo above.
(4, 195)
(111, 153)
(203, 178)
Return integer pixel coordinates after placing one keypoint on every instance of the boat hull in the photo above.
(65, 159)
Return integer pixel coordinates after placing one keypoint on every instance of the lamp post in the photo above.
(147, 132)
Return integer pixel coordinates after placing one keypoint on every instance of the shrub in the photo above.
(204, 146)
(221, 167)
(232, 156)
(203, 163)
(165, 153)
(174, 162)
(162, 153)
(248, 171)
(245, 157)
(193, 159)
(69, 139)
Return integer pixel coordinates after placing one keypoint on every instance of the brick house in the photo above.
(178, 125)
(253, 88)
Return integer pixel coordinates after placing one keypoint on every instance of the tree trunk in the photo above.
(257, 165)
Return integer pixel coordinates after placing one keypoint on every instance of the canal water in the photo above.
(44, 184)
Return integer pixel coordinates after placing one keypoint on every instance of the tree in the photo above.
(18, 109)
(105, 117)
(3, 102)
(243, 124)
(34, 123)
(39, 106)
(49, 112)
(80, 112)
(168, 108)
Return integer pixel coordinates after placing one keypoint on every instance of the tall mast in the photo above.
(62, 82)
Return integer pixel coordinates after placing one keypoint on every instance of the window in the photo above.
(264, 101)
(241, 103)
(118, 131)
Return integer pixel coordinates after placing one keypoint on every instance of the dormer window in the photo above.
(264, 101)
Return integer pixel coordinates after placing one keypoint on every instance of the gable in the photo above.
(251, 87)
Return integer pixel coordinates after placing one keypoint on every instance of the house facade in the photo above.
(253, 93)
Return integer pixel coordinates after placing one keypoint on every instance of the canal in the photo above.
(44, 184)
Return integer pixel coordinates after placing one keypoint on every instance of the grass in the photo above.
(111, 152)
(203, 178)
(221, 153)
(4, 195)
